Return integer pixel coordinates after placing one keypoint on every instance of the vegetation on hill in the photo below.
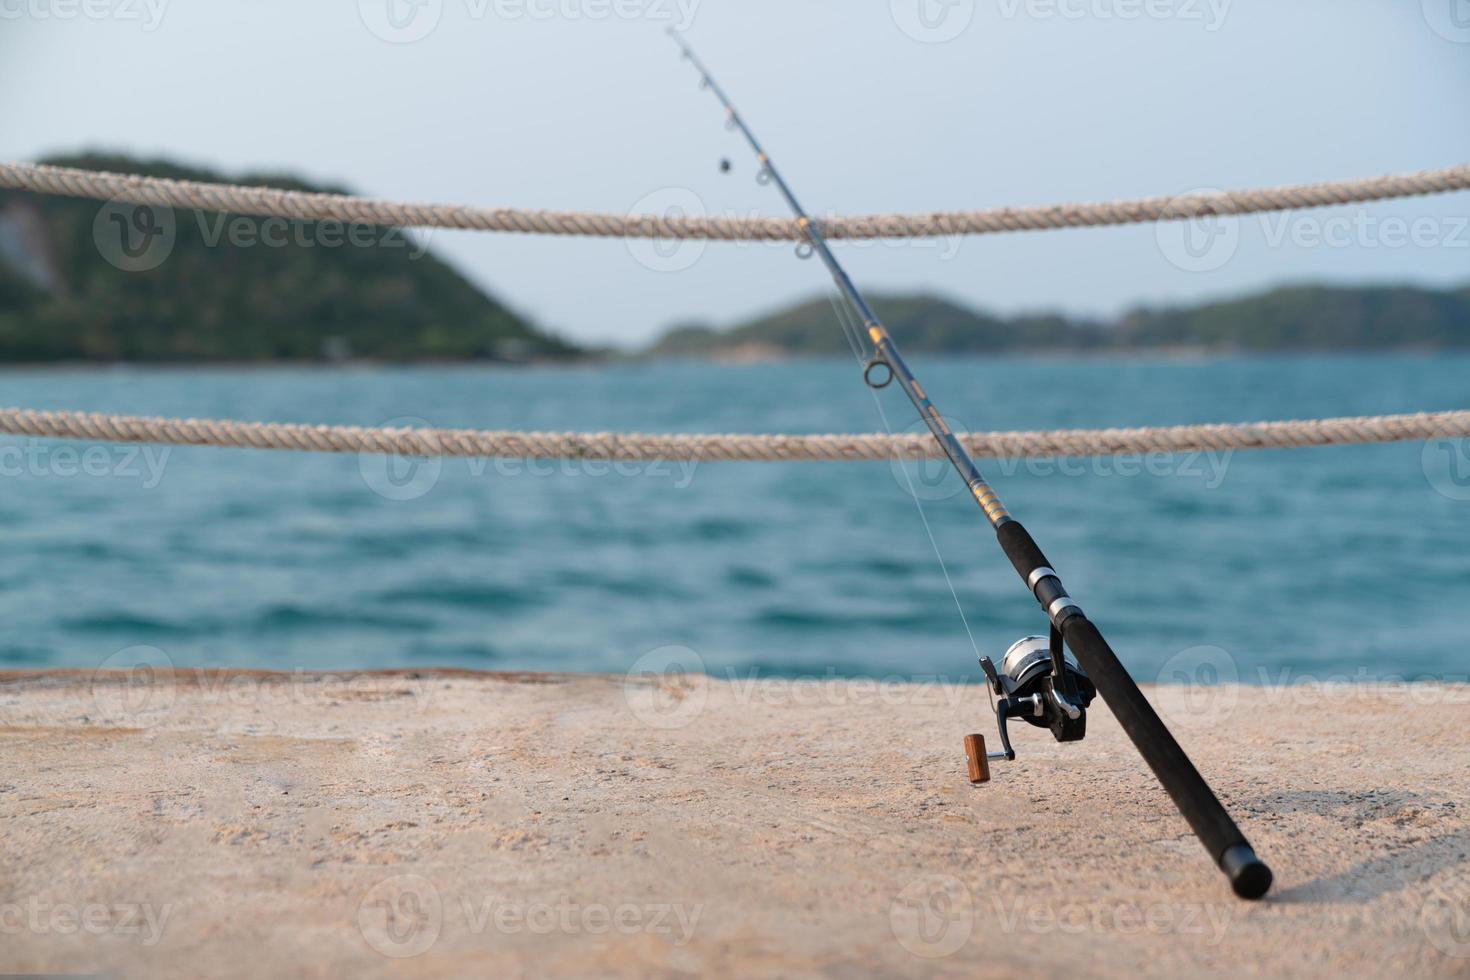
(84, 280)
(1297, 318)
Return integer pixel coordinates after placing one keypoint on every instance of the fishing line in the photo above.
(846, 317)
(849, 329)
(934, 543)
(851, 325)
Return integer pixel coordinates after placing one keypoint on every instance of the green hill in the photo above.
(1297, 318)
(82, 280)
(1311, 318)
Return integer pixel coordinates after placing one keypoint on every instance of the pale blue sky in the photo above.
(520, 103)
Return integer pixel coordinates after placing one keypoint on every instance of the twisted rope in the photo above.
(266, 201)
(708, 448)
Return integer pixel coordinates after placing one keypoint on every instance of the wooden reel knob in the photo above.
(979, 763)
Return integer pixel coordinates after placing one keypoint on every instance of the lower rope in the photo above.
(710, 448)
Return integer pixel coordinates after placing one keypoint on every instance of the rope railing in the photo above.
(709, 448)
(314, 206)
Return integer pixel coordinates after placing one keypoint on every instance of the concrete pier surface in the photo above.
(183, 823)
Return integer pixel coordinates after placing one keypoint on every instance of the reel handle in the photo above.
(1005, 708)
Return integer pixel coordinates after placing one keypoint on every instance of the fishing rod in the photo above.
(1036, 681)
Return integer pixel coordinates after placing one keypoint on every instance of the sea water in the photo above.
(1263, 566)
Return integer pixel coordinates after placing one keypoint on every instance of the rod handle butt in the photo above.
(1248, 874)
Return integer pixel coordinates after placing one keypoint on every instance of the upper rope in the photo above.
(315, 206)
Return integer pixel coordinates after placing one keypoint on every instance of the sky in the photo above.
(887, 105)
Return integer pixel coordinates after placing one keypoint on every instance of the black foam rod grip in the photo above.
(1020, 548)
(1176, 773)
(1173, 768)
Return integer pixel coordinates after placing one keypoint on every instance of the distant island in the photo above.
(89, 281)
(83, 280)
(1295, 318)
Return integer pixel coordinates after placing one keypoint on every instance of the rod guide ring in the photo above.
(887, 376)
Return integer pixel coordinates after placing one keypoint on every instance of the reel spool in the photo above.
(1039, 683)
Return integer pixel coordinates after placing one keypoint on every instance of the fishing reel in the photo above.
(1040, 684)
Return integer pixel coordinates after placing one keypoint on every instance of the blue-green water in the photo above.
(1323, 563)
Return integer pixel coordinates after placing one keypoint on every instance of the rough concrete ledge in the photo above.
(450, 823)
